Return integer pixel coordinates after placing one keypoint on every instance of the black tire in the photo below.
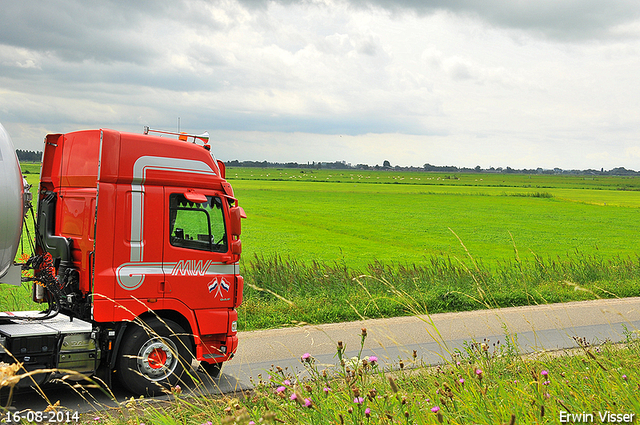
(153, 357)
(211, 369)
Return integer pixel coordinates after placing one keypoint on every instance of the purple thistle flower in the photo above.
(435, 409)
(306, 357)
(326, 390)
(280, 389)
(307, 402)
(478, 372)
(544, 373)
(358, 400)
(287, 382)
(624, 377)
(461, 380)
(293, 396)
(367, 411)
(373, 359)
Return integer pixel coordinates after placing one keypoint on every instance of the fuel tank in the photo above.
(11, 206)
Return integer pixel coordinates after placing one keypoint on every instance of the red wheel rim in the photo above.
(157, 358)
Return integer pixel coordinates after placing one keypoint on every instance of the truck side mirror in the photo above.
(235, 225)
(236, 214)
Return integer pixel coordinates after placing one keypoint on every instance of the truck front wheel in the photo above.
(213, 369)
(153, 356)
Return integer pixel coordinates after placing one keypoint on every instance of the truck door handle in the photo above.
(164, 287)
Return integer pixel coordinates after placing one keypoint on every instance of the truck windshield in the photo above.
(197, 225)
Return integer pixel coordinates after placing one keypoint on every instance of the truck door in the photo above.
(197, 260)
(138, 243)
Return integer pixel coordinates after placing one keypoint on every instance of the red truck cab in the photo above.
(144, 236)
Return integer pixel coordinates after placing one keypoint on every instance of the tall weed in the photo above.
(284, 291)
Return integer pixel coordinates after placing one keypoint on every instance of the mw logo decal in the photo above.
(191, 268)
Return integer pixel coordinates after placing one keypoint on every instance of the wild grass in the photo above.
(486, 383)
(281, 291)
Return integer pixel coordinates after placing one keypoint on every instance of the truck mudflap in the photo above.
(216, 348)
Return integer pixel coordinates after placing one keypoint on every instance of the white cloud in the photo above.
(522, 84)
(633, 152)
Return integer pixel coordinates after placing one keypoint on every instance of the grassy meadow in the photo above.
(360, 223)
(331, 245)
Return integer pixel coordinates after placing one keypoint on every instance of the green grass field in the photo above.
(359, 223)
(449, 242)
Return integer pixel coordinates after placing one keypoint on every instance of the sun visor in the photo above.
(194, 196)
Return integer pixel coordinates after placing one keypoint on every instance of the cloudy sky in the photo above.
(531, 83)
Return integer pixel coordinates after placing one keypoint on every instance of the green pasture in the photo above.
(487, 216)
(324, 246)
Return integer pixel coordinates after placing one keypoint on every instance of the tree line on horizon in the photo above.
(36, 156)
(386, 165)
(29, 156)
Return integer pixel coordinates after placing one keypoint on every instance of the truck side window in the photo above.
(197, 225)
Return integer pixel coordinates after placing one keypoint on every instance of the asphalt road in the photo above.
(434, 338)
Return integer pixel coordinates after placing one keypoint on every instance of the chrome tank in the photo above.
(11, 206)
